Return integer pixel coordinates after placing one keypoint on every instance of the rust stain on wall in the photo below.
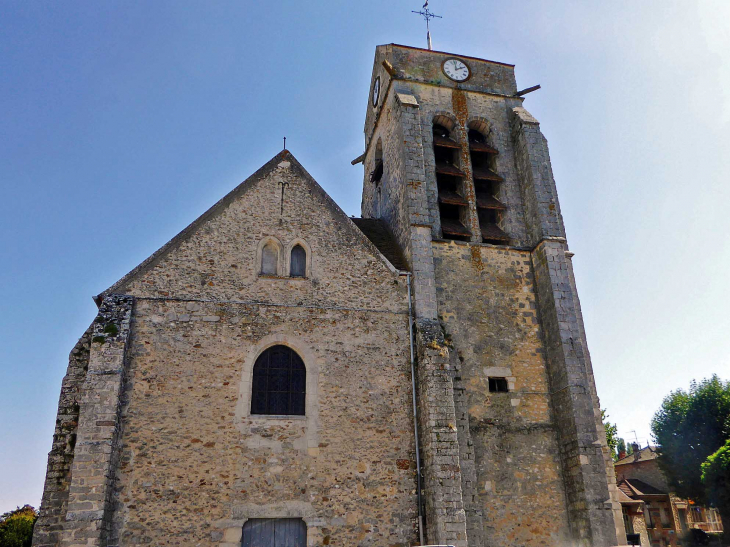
(476, 258)
(458, 103)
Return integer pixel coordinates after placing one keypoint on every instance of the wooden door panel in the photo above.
(274, 533)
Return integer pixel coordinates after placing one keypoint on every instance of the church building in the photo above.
(282, 375)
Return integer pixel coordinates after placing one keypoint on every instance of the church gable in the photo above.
(278, 237)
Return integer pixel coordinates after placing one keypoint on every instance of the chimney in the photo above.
(637, 451)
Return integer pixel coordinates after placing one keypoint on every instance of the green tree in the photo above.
(620, 448)
(611, 433)
(716, 478)
(16, 527)
(689, 427)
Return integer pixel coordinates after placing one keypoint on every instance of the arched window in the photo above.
(298, 265)
(279, 383)
(270, 259)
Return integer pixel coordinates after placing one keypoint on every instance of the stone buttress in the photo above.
(77, 500)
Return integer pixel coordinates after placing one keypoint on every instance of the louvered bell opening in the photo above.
(452, 228)
(486, 201)
(452, 207)
(486, 187)
(449, 180)
(484, 173)
(478, 143)
(445, 142)
(491, 232)
(482, 148)
(452, 198)
(443, 168)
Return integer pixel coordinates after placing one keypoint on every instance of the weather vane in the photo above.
(427, 15)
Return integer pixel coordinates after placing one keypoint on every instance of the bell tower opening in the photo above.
(452, 205)
(487, 185)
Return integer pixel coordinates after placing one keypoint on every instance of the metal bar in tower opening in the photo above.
(526, 91)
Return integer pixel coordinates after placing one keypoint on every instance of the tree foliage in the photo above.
(16, 527)
(611, 433)
(689, 427)
(716, 478)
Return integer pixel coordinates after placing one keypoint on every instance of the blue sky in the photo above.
(122, 121)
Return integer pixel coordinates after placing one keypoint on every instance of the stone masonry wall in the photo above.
(537, 185)
(590, 503)
(487, 305)
(597, 415)
(48, 528)
(424, 67)
(196, 465)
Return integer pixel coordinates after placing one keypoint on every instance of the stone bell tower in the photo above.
(514, 451)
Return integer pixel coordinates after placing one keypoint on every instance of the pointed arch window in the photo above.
(298, 264)
(279, 383)
(270, 259)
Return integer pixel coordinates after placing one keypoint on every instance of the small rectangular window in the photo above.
(498, 385)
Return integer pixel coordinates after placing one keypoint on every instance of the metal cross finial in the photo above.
(427, 15)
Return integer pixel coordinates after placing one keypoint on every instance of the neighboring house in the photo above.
(650, 509)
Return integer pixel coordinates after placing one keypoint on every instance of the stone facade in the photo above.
(490, 317)
(156, 442)
(509, 311)
(168, 452)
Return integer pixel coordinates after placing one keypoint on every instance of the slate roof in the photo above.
(634, 488)
(645, 454)
(377, 231)
(625, 500)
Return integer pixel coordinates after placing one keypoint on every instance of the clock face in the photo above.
(456, 70)
(376, 91)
